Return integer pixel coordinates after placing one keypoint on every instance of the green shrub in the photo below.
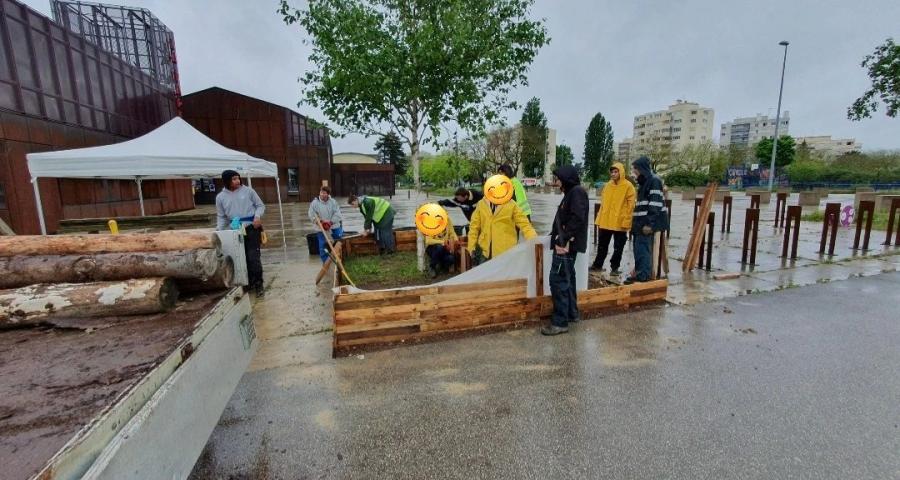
(685, 178)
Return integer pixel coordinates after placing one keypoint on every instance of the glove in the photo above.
(326, 225)
(646, 230)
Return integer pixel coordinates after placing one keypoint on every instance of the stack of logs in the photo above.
(77, 276)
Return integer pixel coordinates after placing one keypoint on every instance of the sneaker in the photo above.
(574, 320)
(629, 281)
(553, 330)
(615, 272)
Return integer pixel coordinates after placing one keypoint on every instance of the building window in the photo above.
(692, 137)
(693, 112)
(293, 184)
(693, 120)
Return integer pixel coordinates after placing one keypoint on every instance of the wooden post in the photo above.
(866, 207)
(668, 224)
(697, 202)
(707, 247)
(727, 204)
(751, 235)
(662, 257)
(830, 222)
(792, 218)
(755, 201)
(895, 207)
(780, 209)
(539, 270)
(697, 233)
(87, 244)
(596, 227)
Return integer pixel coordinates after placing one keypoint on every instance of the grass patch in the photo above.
(388, 271)
(441, 191)
(879, 220)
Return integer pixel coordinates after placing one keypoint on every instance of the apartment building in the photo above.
(749, 131)
(681, 124)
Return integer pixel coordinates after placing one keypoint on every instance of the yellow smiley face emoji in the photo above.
(431, 219)
(498, 189)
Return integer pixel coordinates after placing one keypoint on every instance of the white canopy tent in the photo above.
(172, 151)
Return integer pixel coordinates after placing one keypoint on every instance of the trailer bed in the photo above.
(56, 381)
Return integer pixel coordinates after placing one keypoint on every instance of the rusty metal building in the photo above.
(362, 179)
(60, 91)
(267, 131)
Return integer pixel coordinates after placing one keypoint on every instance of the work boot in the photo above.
(551, 330)
(260, 292)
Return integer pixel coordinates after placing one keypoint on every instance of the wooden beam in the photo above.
(693, 248)
(539, 269)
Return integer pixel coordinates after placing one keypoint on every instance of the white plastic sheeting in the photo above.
(174, 150)
(516, 263)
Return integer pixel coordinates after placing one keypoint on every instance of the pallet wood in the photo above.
(697, 234)
(383, 318)
(86, 244)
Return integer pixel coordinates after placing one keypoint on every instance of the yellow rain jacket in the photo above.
(448, 235)
(495, 232)
(616, 203)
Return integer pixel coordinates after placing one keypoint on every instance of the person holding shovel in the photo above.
(326, 209)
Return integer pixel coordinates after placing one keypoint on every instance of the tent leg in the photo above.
(40, 206)
(140, 195)
(281, 213)
(249, 181)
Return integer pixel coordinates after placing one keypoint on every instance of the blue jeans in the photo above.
(643, 251)
(563, 289)
(336, 234)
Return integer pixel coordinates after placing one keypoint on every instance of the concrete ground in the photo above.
(801, 383)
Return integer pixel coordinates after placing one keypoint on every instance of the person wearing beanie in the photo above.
(238, 206)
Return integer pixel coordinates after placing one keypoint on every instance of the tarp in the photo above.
(174, 150)
(515, 263)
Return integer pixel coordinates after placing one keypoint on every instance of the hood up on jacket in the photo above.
(642, 165)
(567, 176)
(621, 168)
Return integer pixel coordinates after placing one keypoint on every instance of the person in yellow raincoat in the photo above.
(493, 229)
(614, 218)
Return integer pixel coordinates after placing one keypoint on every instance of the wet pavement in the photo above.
(801, 383)
(745, 377)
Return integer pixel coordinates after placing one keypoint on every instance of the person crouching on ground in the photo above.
(326, 208)
(378, 215)
(614, 218)
(568, 238)
(648, 218)
(440, 249)
(239, 207)
(493, 229)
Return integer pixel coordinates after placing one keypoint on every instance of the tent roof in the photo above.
(174, 150)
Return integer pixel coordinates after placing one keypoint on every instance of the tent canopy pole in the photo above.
(40, 206)
(140, 194)
(281, 213)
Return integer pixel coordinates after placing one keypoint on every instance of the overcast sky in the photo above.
(619, 58)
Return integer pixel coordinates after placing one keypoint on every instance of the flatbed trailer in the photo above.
(128, 397)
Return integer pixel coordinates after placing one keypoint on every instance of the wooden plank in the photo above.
(539, 269)
(463, 307)
(483, 296)
(693, 248)
(384, 294)
(376, 325)
(396, 312)
(406, 300)
(374, 334)
(484, 286)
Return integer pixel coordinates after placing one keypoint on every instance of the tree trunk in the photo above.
(25, 270)
(222, 279)
(36, 303)
(84, 244)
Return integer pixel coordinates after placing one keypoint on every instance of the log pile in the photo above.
(76, 276)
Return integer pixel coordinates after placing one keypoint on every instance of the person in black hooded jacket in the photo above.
(650, 216)
(568, 237)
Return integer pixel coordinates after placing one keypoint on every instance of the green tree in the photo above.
(445, 170)
(533, 131)
(598, 148)
(564, 155)
(783, 157)
(884, 71)
(408, 66)
(390, 151)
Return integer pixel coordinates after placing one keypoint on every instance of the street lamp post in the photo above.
(784, 44)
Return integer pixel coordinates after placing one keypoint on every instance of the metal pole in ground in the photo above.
(783, 43)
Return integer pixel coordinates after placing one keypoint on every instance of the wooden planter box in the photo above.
(405, 241)
(367, 320)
